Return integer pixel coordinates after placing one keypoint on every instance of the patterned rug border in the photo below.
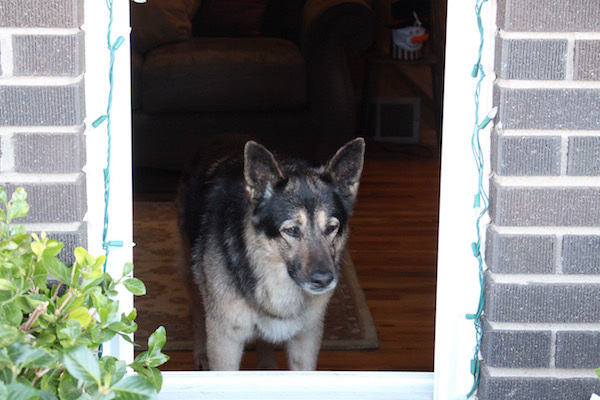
(152, 252)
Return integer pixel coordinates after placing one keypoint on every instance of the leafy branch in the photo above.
(53, 319)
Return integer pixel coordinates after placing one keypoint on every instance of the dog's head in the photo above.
(301, 213)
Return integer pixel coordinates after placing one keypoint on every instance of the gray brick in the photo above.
(584, 155)
(54, 202)
(49, 152)
(577, 349)
(41, 13)
(516, 349)
(538, 302)
(71, 240)
(544, 206)
(42, 105)
(587, 60)
(48, 55)
(562, 109)
(519, 388)
(527, 156)
(531, 59)
(581, 255)
(548, 16)
(520, 254)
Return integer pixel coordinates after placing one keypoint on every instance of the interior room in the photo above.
(382, 317)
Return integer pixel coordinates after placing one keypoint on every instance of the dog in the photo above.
(264, 238)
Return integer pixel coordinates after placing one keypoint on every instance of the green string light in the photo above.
(481, 200)
(112, 47)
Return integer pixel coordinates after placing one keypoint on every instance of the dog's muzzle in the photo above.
(320, 282)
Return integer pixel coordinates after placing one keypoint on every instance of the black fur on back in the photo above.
(215, 203)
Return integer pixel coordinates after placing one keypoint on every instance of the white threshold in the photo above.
(282, 385)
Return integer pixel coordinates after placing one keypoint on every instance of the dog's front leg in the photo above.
(303, 349)
(224, 346)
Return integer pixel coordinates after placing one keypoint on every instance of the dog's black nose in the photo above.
(321, 279)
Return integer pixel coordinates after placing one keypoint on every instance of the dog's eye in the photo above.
(332, 228)
(292, 231)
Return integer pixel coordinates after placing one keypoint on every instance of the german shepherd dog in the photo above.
(265, 238)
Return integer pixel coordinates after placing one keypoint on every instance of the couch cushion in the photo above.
(229, 18)
(158, 22)
(224, 74)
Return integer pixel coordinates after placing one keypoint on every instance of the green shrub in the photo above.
(54, 319)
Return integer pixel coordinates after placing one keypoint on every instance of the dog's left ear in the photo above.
(345, 167)
(261, 171)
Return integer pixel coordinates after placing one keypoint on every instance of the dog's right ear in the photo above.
(261, 171)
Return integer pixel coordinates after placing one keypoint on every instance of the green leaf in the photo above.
(132, 315)
(40, 275)
(37, 358)
(81, 314)
(598, 373)
(57, 269)
(68, 333)
(108, 312)
(157, 340)
(113, 370)
(80, 255)
(82, 364)
(117, 326)
(8, 335)
(19, 194)
(19, 391)
(5, 284)
(127, 268)
(152, 374)
(128, 339)
(17, 209)
(53, 247)
(135, 286)
(12, 314)
(88, 285)
(38, 248)
(93, 267)
(133, 388)
(68, 389)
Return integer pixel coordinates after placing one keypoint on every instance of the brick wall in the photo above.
(542, 315)
(42, 108)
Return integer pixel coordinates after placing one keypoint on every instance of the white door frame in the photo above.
(457, 287)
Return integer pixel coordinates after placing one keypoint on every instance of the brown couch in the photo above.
(272, 69)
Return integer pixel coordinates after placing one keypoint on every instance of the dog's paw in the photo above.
(201, 364)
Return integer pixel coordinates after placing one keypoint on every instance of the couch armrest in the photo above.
(335, 25)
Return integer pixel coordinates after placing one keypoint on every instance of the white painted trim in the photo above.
(458, 283)
(280, 385)
(96, 96)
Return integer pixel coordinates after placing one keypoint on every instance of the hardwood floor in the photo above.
(393, 243)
